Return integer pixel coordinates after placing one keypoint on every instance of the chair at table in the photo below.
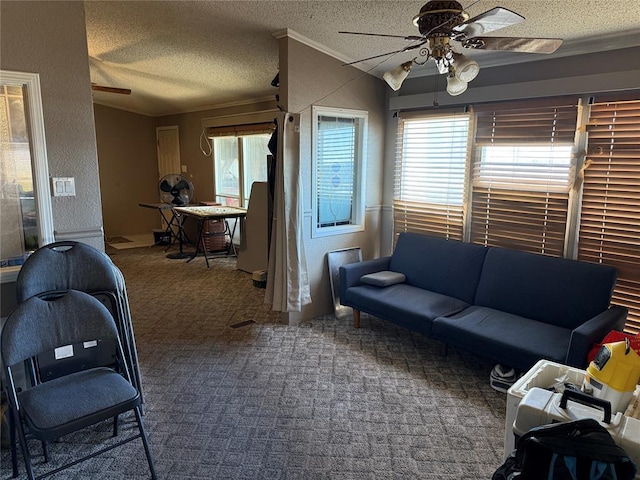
(61, 266)
(46, 411)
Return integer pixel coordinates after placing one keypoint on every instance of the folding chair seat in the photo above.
(50, 410)
(61, 266)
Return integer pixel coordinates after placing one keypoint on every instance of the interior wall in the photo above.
(199, 167)
(129, 167)
(49, 38)
(309, 77)
(580, 74)
(127, 160)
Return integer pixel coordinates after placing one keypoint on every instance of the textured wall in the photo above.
(311, 77)
(49, 38)
(128, 164)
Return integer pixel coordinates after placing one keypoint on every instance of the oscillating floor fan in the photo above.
(175, 189)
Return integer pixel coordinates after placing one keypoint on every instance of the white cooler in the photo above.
(544, 374)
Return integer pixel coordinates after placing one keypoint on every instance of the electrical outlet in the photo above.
(184, 169)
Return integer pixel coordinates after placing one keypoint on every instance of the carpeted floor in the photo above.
(270, 401)
(128, 242)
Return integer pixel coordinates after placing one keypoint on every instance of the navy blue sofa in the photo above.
(512, 307)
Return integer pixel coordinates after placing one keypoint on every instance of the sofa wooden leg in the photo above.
(356, 318)
(443, 349)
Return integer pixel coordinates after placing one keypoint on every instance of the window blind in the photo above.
(336, 155)
(429, 189)
(610, 217)
(522, 173)
(241, 130)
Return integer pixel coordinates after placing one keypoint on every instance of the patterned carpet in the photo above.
(270, 401)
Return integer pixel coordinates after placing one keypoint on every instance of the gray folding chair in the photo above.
(46, 411)
(61, 266)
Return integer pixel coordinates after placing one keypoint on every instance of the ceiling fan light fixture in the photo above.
(395, 77)
(466, 68)
(455, 86)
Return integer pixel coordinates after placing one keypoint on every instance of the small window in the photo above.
(339, 151)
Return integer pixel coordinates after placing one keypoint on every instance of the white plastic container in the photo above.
(544, 374)
(542, 407)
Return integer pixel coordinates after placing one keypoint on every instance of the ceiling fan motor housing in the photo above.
(437, 18)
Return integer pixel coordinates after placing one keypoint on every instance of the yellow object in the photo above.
(616, 365)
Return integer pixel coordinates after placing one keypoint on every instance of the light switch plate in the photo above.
(63, 186)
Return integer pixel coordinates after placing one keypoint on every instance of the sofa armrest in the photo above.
(593, 331)
(350, 273)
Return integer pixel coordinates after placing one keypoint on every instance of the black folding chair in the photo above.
(61, 266)
(74, 400)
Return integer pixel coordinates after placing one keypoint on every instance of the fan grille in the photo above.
(175, 189)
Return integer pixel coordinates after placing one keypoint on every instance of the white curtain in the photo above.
(287, 278)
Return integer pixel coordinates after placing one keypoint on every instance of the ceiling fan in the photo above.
(102, 88)
(445, 30)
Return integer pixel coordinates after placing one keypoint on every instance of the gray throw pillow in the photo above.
(383, 279)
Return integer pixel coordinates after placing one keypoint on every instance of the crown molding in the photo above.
(289, 33)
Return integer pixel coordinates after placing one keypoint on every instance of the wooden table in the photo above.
(204, 213)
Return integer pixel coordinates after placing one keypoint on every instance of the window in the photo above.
(339, 141)
(238, 162)
(610, 217)
(522, 176)
(26, 218)
(429, 188)
(522, 192)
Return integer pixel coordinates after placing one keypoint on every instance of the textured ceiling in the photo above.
(179, 56)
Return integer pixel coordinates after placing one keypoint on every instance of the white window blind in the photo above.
(522, 174)
(339, 153)
(431, 161)
(336, 162)
(610, 217)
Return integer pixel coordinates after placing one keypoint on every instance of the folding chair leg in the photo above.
(145, 442)
(45, 451)
(25, 451)
(13, 440)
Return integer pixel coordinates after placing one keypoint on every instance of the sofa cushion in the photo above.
(383, 278)
(448, 267)
(553, 290)
(509, 339)
(403, 304)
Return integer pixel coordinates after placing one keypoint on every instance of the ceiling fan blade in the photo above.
(405, 49)
(514, 44)
(101, 88)
(489, 21)
(410, 38)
